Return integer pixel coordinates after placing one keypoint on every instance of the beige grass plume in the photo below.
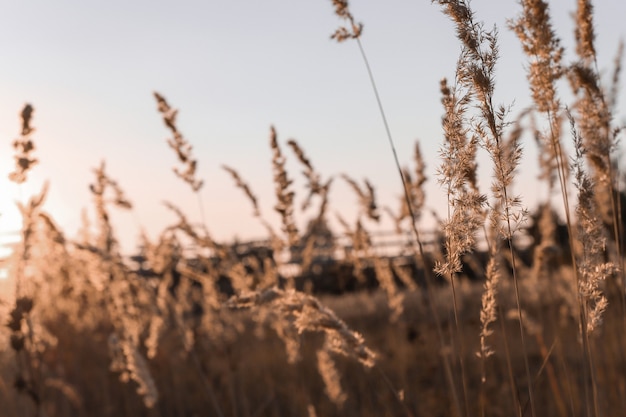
(24, 147)
(306, 314)
(203, 240)
(243, 186)
(367, 197)
(493, 274)
(540, 43)
(361, 246)
(284, 194)
(584, 32)
(107, 242)
(179, 144)
(545, 53)
(595, 113)
(415, 189)
(332, 379)
(592, 267)
(314, 181)
(276, 242)
(417, 192)
(316, 228)
(343, 33)
(318, 188)
(457, 174)
(476, 73)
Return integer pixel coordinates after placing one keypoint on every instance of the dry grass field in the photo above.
(507, 313)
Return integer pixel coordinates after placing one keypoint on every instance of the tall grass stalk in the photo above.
(478, 59)
(355, 31)
(458, 176)
(540, 43)
(596, 109)
(592, 267)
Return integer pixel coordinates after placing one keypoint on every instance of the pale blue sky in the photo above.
(233, 68)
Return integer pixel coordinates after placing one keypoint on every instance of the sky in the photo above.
(233, 69)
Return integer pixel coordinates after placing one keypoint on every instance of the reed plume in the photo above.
(107, 242)
(276, 242)
(316, 227)
(332, 380)
(179, 144)
(314, 181)
(476, 73)
(386, 280)
(591, 264)
(584, 31)
(25, 381)
(457, 174)
(493, 274)
(243, 186)
(361, 242)
(344, 33)
(24, 147)
(415, 186)
(306, 314)
(203, 240)
(616, 76)
(367, 197)
(595, 116)
(547, 248)
(543, 48)
(284, 195)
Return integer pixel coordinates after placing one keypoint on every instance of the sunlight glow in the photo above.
(8, 241)
(10, 216)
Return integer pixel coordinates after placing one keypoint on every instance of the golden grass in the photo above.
(227, 330)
